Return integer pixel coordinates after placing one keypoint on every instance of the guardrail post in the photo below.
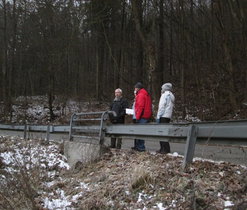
(102, 128)
(48, 133)
(25, 131)
(190, 145)
(102, 131)
(71, 125)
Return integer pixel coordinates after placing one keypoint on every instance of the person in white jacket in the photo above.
(165, 110)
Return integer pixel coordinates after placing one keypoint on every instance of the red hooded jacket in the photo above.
(143, 105)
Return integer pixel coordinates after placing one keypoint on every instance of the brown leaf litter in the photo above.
(132, 180)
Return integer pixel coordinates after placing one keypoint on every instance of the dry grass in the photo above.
(141, 178)
(128, 180)
(21, 178)
(120, 179)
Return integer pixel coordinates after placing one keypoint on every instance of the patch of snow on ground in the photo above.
(60, 203)
(160, 206)
(84, 185)
(191, 118)
(228, 204)
(28, 157)
(175, 154)
(207, 160)
(142, 196)
(35, 109)
(30, 154)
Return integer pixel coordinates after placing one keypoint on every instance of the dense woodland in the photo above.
(86, 49)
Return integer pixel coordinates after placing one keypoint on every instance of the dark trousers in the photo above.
(117, 142)
(114, 141)
(139, 143)
(164, 146)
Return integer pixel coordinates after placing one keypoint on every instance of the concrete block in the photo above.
(80, 152)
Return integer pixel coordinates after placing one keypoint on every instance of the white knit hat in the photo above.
(166, 86)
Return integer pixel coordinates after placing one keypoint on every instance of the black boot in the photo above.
(164, 147)
(135, 145)
(113, 142)
(119, 143)
(167, 148)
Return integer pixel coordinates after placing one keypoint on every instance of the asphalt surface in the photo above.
(236, 154)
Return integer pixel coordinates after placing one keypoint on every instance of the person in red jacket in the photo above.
(143, 111)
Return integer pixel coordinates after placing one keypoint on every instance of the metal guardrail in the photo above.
(78, 131)
(38, 128)
(221, 132)
(233, 133)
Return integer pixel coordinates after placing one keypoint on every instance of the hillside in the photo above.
(35, 110)
(35, 175)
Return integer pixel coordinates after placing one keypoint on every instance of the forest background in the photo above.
(86, 49)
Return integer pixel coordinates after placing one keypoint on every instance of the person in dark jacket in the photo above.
(118, 105)
(143, 112)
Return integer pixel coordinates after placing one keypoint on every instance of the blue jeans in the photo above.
(139, 143)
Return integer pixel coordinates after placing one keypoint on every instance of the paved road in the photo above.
(235, 154)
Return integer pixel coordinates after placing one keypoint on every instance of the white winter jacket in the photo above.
(166, 105)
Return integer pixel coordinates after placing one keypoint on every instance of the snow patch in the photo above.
(59, 203)
(228, 204)
(160, 206)
(175, 154)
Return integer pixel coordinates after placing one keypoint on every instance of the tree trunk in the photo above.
(159, 72)
(243, 21)
(227, 58)
(121, 52)
(5, 67)
(51, 95)
(148, 45)
(97, 76)
(182, 58)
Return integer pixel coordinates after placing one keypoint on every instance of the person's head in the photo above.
(138, 86)
(118, 93)
(166, 86)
